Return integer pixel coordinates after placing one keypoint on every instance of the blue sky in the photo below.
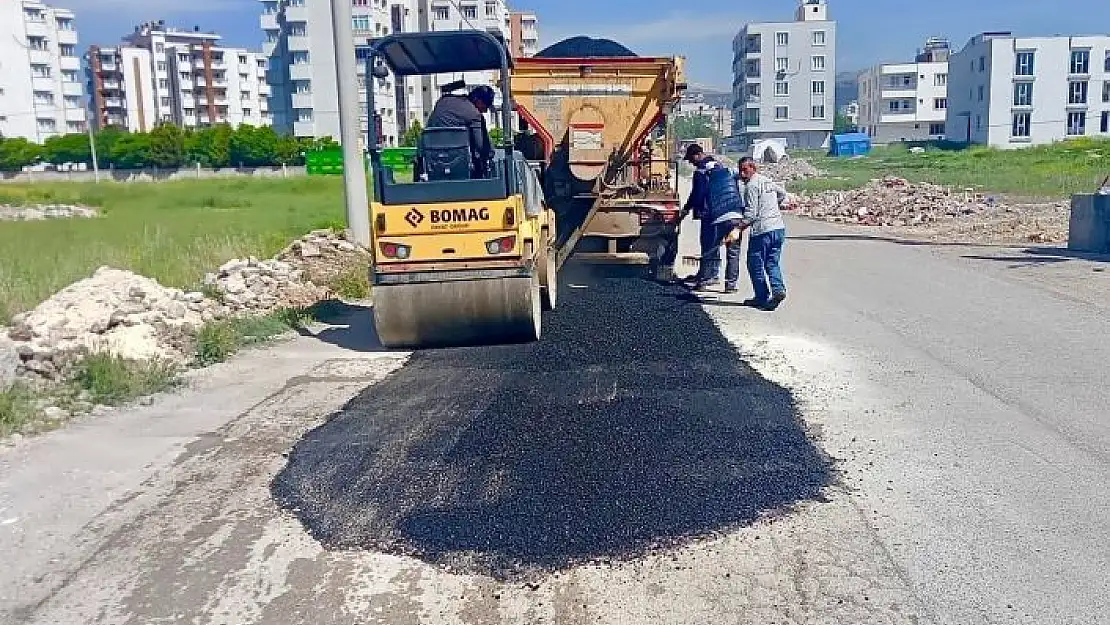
(871, 31)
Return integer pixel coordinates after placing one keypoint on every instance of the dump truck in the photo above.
(598, 126)
(467, 249)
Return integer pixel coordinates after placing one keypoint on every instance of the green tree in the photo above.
(106, 140)
(253, 147)
(412, 135)
(167, 146)
(209, 146)
(131, 151)
(289, 150)
(694, 127)
(71, 148)
(17, 153)
(842, 125)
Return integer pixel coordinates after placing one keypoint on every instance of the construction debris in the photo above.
(39, 212)
(790, 169)
(113, 311)
(896, 202)
(9, 360)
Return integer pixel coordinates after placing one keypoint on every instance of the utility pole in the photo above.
(354, 171)
(92, 148)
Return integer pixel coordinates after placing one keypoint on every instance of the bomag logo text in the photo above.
(459, 215)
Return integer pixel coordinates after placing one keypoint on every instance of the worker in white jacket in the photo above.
(763, 198)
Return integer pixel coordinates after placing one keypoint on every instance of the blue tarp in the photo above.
(849, 144)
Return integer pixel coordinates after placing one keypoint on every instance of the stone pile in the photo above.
(790, 169)
(113, 311)
(893, 201)
(40, 212)
(9, 360)
(300, 275)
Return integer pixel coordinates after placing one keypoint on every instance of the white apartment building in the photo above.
(41, 95)
(301, 66)
(183, 77)
(906, 101)
(785, 79)
(1009, 92)
(524, 33)
(301, 60)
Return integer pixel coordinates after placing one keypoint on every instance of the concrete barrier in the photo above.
(152, 175)
(1089, 228)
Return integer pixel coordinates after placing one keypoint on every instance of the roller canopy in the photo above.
(415, 54)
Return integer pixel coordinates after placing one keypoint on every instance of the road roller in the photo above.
(464, 248)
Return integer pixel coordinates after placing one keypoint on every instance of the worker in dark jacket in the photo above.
(715, 200)
(456, 111)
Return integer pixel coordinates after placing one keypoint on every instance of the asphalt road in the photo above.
(921, 434)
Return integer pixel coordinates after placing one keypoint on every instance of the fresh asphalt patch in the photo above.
(633, 425)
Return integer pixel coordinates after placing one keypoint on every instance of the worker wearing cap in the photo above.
(715, 200)
(457, 111)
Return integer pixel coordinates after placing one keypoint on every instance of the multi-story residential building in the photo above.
(785, 78)
(695, 105)
(40, 83)
(301, 66)
(301, 60)
(524, 33)
(906, 101)
(850, 111)
(1008, 91)
(183, 77)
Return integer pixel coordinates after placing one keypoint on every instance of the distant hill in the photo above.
(713, 96)
(847, 89)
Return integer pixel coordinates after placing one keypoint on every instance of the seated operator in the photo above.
(456, 111)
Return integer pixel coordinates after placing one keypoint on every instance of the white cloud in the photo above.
(678, 29)
(152, 8)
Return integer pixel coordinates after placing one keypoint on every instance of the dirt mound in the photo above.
(584, 47)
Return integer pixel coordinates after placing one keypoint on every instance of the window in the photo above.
(38, 43)
(470, 12)
(299, 29)
(1077, 92)
(47, 125)
(894, 106)
(981, 92)
(907, 82)
(751, 68)
(1105, 125)
(817, 87)
(818, 37)
(72, 126)
(936, 129)
(1024, 64)
(782, 39)
(978, 122)
(782, 87)
(1077, 123)
(165, 101)
(242, 59)
(782, 64)
(300, 57)
(1080, 61)
(940, 80)
(64, 23)
(755, 89)
(1023, 94)
(818, 62)
(184, 58)
(361, 23)
(940, 103)
(817, 111)
(40, 71)
(44, 98)
(441, 13)
(753, 44)
(73, 102)
(69, 75)
(246, 112)
(67, 49)
(163, 83)
(161, 66)
(185, 75)
(782, 113)
(34, 15)
(302, 86)
(491, 9)
(982, 64)
(159, 48)
(271, 37)
(304, 115)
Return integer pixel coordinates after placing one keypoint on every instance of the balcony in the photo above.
(304, 129)
(301, 71)
(108, 66)
(200, 81)
(75, 114)
(67, 37)
(113, 103)
(296, 14)
(899, 117)
(302, 100)
(40, 57)
(269, 21)
(73, 88)
(70, 63)
(111, 83)
(115, 120)
(299, 43)
(899, 94)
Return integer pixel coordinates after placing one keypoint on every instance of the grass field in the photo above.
(1050, 172)
(173, 231)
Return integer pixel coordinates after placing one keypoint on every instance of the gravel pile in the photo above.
(40, 212)
(113, 311)
(300, 275)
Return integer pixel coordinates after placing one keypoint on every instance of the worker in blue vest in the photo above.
(716, 201)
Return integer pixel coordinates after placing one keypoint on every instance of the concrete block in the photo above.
(1089, 229)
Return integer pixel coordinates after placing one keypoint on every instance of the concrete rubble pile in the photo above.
(790, 169)
(300, 275)
(113, 311)
(40, 212)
